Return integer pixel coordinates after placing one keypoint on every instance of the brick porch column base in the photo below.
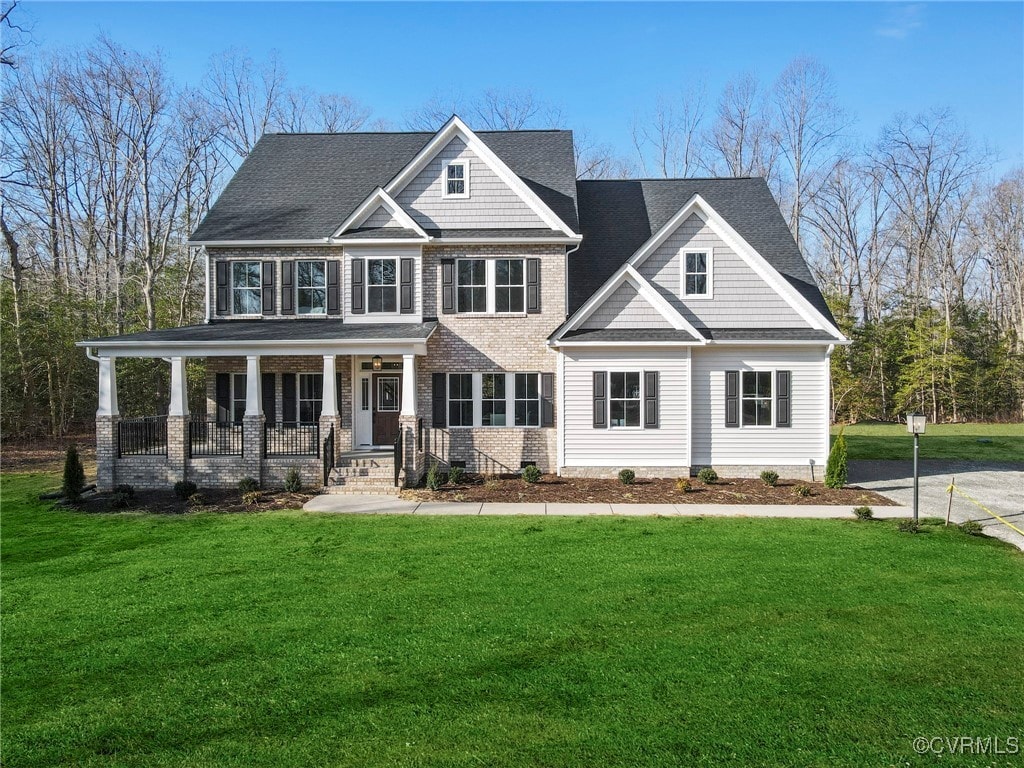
(106, 452)
(252, 447)
(177, 448)
(411, 458)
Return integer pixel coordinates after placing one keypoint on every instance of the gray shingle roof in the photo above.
(277, 330)
(630, 335)
(380, 233)
(767, 334)
(302, 186)
(617, 217)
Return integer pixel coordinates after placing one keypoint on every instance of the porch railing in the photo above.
(146, 436)
(291, 439)
(399, 455)
(208, 437)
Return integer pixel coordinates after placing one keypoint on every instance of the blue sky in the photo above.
(600, 62)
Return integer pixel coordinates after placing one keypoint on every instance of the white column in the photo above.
(330, 394)
(179, 392)
(108, 388)
(408, 385)
(253, 388)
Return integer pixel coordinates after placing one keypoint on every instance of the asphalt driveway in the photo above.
(997, 485)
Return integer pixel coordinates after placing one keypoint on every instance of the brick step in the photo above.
(369, 462)
(386, 472)
(361, 482)
(362, 490)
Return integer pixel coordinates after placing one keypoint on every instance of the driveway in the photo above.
(997, 485)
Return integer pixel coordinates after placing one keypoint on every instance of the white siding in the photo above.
(491, 204)
(626, 308)
(740, 298)
(379, 218)
(716, 444)
(633, 447)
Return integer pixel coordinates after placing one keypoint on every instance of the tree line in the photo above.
(108, 164)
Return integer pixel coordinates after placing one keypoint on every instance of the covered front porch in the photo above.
(276, 400)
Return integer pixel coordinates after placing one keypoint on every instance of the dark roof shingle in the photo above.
(326, 329)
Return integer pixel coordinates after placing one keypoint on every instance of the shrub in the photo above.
(292, 480)
(863, 513)
(455, 475)
(972, 528)
(908, 526)
(708, 476)
(835, 469)
(683, 484)
(184, 488)
(627, 476)
(802, 490)
(252, 498)
(530, 474)
(197, 500)
(433, 476)
(125, 488)
(770, 477)
(74, 475)
(248, 484)
(120, 500)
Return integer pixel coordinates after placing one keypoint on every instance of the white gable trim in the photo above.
(379, 198)
(646, 291)
(762, 268)
(456, 128)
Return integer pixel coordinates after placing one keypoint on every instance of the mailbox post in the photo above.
(915, 426)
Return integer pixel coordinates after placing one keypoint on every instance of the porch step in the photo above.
(363, 459)
(362, 489)
(362, 471)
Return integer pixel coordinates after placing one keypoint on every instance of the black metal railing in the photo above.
(142, 437)
(208, 437)
(328, 455)
(419, 435)
(398, 456)
(291, 439)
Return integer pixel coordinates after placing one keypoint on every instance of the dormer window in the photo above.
(456, 180)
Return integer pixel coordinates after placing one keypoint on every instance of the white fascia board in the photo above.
(378, 241)
(257, 243)
(380, 198)
(656, 300)
(779, 342)
(291, 348)
(455, 127)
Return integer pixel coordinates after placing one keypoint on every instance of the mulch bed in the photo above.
(166, 503)
(551, 488)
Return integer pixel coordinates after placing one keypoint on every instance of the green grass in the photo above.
(291, 639)
(874, 440)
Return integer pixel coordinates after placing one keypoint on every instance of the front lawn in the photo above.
(293, 639)
(968, 442)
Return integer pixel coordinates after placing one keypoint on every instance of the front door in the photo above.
(387, 403)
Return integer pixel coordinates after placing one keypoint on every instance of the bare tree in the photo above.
(741, 139)
(245, 97)
(301, 110)
(493, 110)
(11, 34)
(670, 142)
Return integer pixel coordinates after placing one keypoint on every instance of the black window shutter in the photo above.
(406, 291)
(600, 400)
(651, 399)
(783, 399)
(223, 398)
(333, 287)
(222, 287)
(268, 287)
(533, 286)
(358, 307)
(447, 285)
(269, 397)
(547, 400)
(289, 401)
(439, 398)
(287, 287)
(732, 398)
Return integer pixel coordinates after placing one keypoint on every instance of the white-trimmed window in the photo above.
(756, 399)
(697, 273)
(456, 180)
(527, 400)
(471, 285)
(381, 285)
(624, 399)
(460, 399)
(246, 279)
(509, 285)
(311, 287)
(238, 383)
(311, 397)
(493, 404)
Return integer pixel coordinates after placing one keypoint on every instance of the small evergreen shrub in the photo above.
(248, 484)
(683, 484)
(292, 480)
(120, 500)
(125, 488)
(197, 500)
(531, 474)
(74, 475)
(184, 488)
(803, 491)
(708, 476)
(252, 498)
(835, 469)
(863, 513)
(908, 526)
(972, 528)
(433, 477)
(770, 478)
(455, 475)
(627, 476)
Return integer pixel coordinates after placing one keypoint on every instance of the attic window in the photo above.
(456, 181)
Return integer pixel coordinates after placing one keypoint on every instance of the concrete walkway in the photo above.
(389, 505)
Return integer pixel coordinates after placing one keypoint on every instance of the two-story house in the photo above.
(380, 301)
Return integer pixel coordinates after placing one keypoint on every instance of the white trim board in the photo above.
(380, 198)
